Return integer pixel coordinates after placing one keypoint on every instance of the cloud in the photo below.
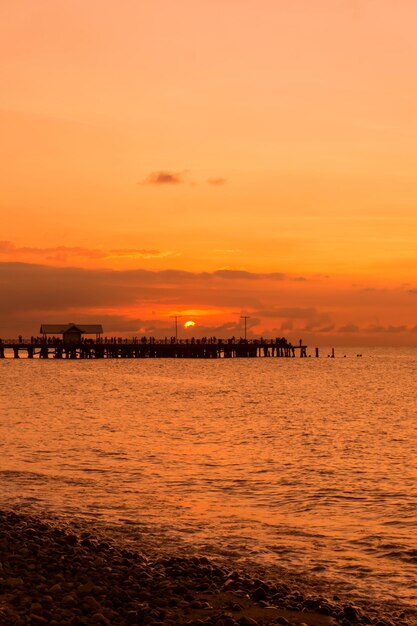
(244, 275)
(132, 253)
(286, 325)
(325, 329)
(289, 312)
(10, 249)
(124, 301)
(372, 289)
(349, 328)
(164, 177)
(29, 286)
(32, 294)
(65, 253)
(216, 181)
(116, 323)
(314, 320)
(386, 329)
(6, 247)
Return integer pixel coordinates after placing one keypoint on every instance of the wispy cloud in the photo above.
(66, 253)
(132, 253)
(244, 275)
(164, 177)
(7, 248)
(217, 182)
(169, 177)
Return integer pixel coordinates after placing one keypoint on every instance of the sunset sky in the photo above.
(210, 159)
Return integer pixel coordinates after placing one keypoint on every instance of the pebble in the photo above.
(259, 594)
(64, 575)
(247, 621)
(99, 618)
(14, 582)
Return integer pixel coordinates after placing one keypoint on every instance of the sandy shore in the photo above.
(71, 573)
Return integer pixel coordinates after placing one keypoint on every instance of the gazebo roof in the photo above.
(60, 329)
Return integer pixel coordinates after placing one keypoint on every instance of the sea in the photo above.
(306, 464)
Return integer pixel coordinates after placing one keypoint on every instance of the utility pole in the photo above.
(244, 317)
(176, 327)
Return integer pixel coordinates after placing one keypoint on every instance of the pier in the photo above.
(145, 348)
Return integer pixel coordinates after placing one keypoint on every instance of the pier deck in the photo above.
(139, 349)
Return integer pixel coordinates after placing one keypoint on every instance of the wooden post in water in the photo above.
(317, 353)
(332, 353)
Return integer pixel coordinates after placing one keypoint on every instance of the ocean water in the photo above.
(309, 464)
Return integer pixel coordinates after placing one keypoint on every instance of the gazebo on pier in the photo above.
(71, 333)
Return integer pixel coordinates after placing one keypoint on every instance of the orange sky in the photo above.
(210, 159)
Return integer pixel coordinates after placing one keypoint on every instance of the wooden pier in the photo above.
(151, 348)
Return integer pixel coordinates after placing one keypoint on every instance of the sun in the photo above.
(189, 324)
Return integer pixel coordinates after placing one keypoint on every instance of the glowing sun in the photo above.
(189, 324)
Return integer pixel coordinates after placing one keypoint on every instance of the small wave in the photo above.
(37, 477)
(407, 556)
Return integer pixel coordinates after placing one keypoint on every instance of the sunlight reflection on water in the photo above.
(307, 462)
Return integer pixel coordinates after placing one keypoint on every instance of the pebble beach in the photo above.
(73, 573)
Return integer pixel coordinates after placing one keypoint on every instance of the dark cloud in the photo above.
(122, 300)
(316, 321)
(325, 329)
(115, 323)
(386, 329)
(34, 294)
(217, 181)
(286, 325)
(349, 328)
(164, 177)
(289, 312)
(372, 289)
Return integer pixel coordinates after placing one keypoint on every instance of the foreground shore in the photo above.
(61, 573)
